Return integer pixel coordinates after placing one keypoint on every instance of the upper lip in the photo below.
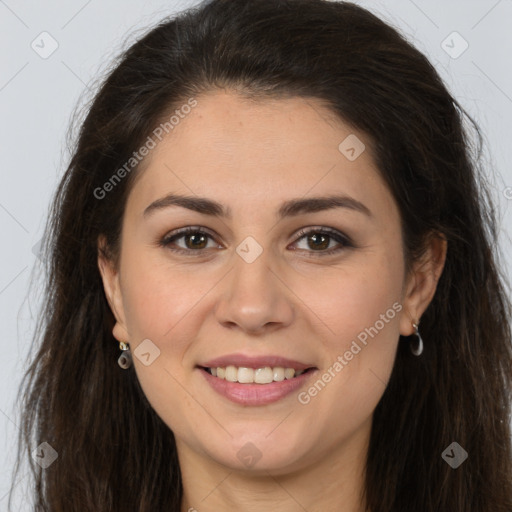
(241, 360)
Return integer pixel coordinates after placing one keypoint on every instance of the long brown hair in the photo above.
(114, 452)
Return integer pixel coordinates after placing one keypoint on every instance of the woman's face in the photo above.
(249, 287)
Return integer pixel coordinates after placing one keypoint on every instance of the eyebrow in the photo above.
(289, 208)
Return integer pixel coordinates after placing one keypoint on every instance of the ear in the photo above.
(422, 282)
(110, 277)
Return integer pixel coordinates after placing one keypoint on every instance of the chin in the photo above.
(259, 453)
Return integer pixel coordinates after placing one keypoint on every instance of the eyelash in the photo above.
(331, 233)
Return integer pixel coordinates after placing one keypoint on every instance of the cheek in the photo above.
(362, 311)
(361, 307)
(159, 303)
(353, 298)
(157, 298)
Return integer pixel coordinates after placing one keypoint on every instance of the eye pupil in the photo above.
(316, 237)
(194, 239)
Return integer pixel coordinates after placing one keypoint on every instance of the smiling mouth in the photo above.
(264, 375)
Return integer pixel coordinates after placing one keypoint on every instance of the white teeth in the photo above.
(245, 375)
(264, 375)
(278, 374)
(289, 373)
(231, 374)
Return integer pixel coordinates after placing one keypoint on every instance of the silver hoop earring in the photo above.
(417, 347)
(125, 359)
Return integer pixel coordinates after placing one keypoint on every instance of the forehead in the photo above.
(239, 150)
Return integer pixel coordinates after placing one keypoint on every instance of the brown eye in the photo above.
(320, 240)
(194, 240)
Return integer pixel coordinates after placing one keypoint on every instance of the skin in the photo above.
(252, 156)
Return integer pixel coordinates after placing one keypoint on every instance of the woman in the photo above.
(273, 223)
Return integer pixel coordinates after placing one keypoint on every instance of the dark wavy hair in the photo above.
(114, 452)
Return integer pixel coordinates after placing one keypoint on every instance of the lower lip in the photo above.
(256, 394)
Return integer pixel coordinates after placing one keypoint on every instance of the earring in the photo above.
(125, 359)
(417, 348)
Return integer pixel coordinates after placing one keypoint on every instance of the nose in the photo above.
(255, 298)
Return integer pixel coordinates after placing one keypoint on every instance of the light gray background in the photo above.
(38, 97)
